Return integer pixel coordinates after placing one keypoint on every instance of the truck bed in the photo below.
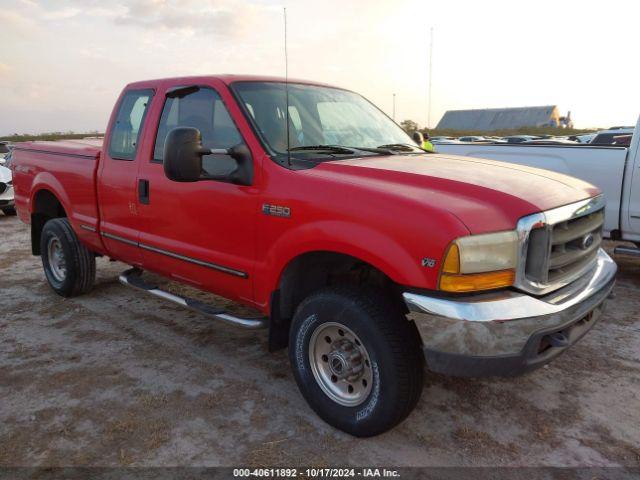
(67, 167)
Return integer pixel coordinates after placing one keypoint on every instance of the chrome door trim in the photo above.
(168, 253)
(202, 263)
(119, 239)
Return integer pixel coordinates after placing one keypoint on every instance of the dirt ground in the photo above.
(117, 377)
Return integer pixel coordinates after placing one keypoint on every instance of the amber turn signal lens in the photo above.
(451, 262)
(476, 281)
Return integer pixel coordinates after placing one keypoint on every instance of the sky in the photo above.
(64, 62)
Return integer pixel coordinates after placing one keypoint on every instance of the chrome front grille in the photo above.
(559, 245)
(574, 243)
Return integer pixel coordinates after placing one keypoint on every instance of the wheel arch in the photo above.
(45, 205)
(314, 269)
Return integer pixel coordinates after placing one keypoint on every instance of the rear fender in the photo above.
(47, 181)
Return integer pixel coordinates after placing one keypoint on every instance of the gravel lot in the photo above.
(120, 378)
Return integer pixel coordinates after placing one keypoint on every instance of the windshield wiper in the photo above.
(378, 150)
(327, 148)
(404, 147)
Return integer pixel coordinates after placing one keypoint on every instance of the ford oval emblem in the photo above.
(587, 241)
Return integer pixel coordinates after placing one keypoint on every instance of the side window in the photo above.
(205, 111)
(128, 124)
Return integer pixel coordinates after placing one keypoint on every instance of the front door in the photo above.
(117, 188)
(203, 232)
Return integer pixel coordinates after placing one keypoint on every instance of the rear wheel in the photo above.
(356, 359)
(9, 211)
(69, 266)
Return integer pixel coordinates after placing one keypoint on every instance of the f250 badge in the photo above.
(276, 210)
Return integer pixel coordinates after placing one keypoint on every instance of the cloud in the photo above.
(216, 17)
(61, 14)
(14, 22)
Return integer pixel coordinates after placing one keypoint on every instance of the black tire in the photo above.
(393, 347)
(80, 263)
(9, 211)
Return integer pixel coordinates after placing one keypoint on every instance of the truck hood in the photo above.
(485, 195)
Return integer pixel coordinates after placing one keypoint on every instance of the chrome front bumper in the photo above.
(508, 332)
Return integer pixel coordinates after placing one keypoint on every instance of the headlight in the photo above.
(480, 262)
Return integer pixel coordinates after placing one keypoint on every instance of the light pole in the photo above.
(430, 72)
(394, 107)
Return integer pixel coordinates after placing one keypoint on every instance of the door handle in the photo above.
(143, 191)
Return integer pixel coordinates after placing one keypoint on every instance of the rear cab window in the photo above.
(125, 134)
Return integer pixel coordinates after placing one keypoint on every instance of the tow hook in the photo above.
(558, 339)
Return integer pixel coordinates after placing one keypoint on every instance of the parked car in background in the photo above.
(551, 141)
(4, 151)
(519, 138)
(472, 139)
(5, 154)
(439, 140)
(6, 191)
(5, 159)
(585, 138)
(609, 137)
(622, 140)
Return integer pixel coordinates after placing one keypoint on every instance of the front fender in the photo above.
(367, 244)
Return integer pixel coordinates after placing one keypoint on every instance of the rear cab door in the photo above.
(118, 174)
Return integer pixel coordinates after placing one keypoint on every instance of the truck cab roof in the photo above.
(227, 79)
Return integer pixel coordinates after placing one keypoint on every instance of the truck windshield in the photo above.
(319, 117)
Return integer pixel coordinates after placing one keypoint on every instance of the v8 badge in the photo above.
(428, 262)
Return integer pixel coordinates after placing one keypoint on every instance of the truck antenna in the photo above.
(286, 86)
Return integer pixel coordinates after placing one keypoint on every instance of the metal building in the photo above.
(504, 118)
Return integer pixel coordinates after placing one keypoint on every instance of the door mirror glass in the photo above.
(183, 152)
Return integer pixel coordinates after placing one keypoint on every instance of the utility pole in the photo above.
(430, 74)
(394, 108)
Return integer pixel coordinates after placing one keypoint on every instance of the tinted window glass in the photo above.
(205, 111)
(129, 121)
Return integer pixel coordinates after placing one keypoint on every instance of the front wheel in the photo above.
(69, 266)
(356, 359)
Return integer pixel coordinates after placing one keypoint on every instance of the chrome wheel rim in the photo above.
(57, 262)
(340, 364)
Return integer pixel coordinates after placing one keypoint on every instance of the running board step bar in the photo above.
(132, 278)
(634, 252)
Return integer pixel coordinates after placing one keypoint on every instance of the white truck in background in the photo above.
(615, 170)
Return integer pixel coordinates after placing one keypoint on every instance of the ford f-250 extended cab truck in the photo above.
(365, 254)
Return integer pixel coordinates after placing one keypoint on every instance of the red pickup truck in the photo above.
(365, 254)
